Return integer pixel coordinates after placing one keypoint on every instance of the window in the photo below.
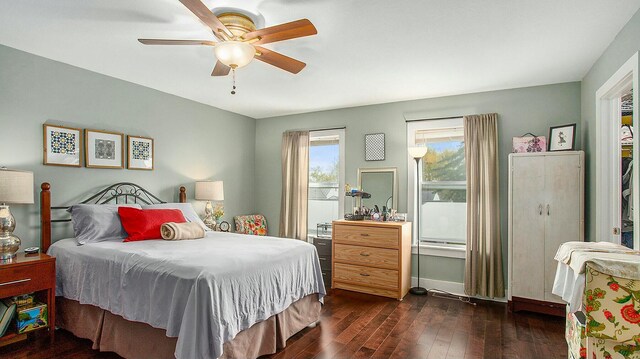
(326, 178)
(443, 204)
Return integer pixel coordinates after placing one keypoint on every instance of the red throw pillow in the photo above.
(143, 224)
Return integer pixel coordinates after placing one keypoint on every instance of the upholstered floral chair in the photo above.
(254, 224)
(611, 328)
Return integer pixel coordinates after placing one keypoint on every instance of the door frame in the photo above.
(608, 152)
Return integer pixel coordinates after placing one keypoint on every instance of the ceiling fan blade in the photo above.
(205, 15)
(279, 60)
(220, 69)
(176, 42)
(290, 30)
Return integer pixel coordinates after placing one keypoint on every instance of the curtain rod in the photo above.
(328, 129)
(434, 118)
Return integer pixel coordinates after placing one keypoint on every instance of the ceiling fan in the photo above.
(239, 40)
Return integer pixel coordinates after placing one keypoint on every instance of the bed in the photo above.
(225, 295)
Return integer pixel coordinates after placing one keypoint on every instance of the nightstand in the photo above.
(323, 246)
(33, 273)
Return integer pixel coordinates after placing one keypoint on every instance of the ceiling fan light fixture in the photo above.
(235, 54)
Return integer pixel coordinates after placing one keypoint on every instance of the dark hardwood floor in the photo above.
(361, 326)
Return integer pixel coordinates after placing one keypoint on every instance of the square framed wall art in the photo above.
(61, 146)
(140, 153)
(374, 147)
(562, 138)
(103, 149)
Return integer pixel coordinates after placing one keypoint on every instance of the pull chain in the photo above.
(233, 73)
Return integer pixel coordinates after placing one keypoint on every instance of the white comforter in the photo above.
(202, 291)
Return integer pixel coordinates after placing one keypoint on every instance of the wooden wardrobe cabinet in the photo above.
(546, 209)
(372, 257)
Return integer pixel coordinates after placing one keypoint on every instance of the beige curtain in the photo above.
(483, 267)
(295, 184)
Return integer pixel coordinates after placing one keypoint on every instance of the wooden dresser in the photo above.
(372, 257)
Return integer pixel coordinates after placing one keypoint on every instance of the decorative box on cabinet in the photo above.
(372, 257)
(546, 209)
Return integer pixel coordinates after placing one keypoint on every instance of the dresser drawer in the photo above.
(326, 278)
(323, 246)
(367, 276)
(367, 256)
(367, 236)
(325, 262)
(26, 279)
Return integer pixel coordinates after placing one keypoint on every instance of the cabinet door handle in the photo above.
(364, 254)
(364, 274)
(323, 259)
(540, 209)
(15, 281)
(548, 209)
(321, 243)
(364, 234)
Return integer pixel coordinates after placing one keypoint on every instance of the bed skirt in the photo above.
(137, 340)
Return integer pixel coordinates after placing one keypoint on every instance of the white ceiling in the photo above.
(367, 51)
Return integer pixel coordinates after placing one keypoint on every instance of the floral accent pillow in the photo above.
(254, 224)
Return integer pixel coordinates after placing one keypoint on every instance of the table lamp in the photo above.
(209, 191)
(16, 187)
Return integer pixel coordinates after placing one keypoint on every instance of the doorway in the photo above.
(616, 147)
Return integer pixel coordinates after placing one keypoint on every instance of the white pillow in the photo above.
(187, 211)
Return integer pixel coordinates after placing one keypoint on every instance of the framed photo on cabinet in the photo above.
(103, 149)
(562, 138)
(61, 146)
(140, 153)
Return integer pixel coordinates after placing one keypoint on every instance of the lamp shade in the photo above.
(417, 151)
(16, 186)
(209, 191)
(234, 54)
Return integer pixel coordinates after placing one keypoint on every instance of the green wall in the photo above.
(532, 109)
(192, 141)
(626, 43)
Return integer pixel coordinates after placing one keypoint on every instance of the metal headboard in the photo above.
(120, 193)
(130, 192)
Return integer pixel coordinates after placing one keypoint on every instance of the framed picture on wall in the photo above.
(103, 149)
(562, 138)
(61, 146)
(140, 153)
(374, 147)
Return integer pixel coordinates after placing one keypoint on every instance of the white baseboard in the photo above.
(451, 287)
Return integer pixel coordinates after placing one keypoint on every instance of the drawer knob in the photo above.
(364, 274)
(323, 259)
(15, 281)
(364, 254)
(364, 234)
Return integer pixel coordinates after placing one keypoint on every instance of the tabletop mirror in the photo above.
(382, 184)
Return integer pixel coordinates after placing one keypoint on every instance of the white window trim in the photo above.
(341, 175)
(428, 249)
(441, 250)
